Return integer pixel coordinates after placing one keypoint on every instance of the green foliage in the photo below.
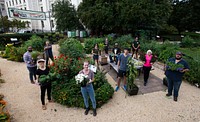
(188, 42)
(66, 17)
(90, 42)
(131, 75)
(36, 42)
(35, 54)
(174, 67)
(166, 54)
(47, 78)
(72, 48)
(65, 89)
(123, 16)
(124, 41)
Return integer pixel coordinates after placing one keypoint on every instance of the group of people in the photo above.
(121, 60)
(39, 68)
(36, 69)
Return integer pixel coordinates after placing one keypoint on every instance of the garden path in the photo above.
(24, 102)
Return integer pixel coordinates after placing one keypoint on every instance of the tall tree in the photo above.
(124, 15)
(66, 16)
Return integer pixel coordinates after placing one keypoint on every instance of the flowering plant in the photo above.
(81, 79)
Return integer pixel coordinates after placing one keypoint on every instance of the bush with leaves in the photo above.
(90, 42)
(187, 42)
(72, 48)
(64, 87)
(124, 41)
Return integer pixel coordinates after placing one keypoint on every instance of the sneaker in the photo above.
(87, 111)
(116, 88)
(168, 94)
(125, 87)
(94, 112)
(145, 83)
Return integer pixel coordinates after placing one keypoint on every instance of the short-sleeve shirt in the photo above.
(176, 75)
(90, 74)
(123, 62)
(40, 72)
(136, 43)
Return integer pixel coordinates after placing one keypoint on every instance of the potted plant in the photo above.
(132, 89)
(103, 58)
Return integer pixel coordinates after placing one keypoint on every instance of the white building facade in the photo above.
(47, 25)
(2, 8)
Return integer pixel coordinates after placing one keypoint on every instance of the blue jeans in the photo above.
(88, 90)
(32, 72)
(173, 85)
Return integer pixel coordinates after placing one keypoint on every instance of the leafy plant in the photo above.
(131, 75)
(174, 67)
(72, 48)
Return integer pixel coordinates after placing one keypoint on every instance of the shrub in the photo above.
(187, 42)
(90, 42)
(72, 48)
(36, 42)
(167, 53)
(64, 88)
(124, 41)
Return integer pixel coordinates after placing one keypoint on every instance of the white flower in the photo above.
(80, 77)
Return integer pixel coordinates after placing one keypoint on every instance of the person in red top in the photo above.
(147, 65)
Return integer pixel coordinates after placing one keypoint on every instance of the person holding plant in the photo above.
(135, 47)
(31, 64)
(148, 65)
(43, 71)
(48, 52)
(95, 52)
(87, 89)
(175, 69)
(122, 68)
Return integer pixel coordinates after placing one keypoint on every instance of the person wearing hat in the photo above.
(174, 77)
(31, 65)
(45, 86)
(147, 66)
(122, 68)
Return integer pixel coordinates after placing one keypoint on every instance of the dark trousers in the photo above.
(47, 59)
(32, 72)
(146, 71)
(173, 85)
(43, 89)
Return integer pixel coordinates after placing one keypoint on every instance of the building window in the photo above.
(24, 1)
(40, 0)
(2, 7)
(13, 2)
(20, 1)
(42, 9)
(16, 2)
(24, 8)
(9, 3)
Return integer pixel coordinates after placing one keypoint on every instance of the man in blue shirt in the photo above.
(31, 65)
(122, 68)
(174, 77)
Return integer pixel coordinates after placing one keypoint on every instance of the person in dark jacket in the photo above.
(174, 76)
(48, 52)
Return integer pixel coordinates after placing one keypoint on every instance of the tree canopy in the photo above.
(66, 16)
(123, 15)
